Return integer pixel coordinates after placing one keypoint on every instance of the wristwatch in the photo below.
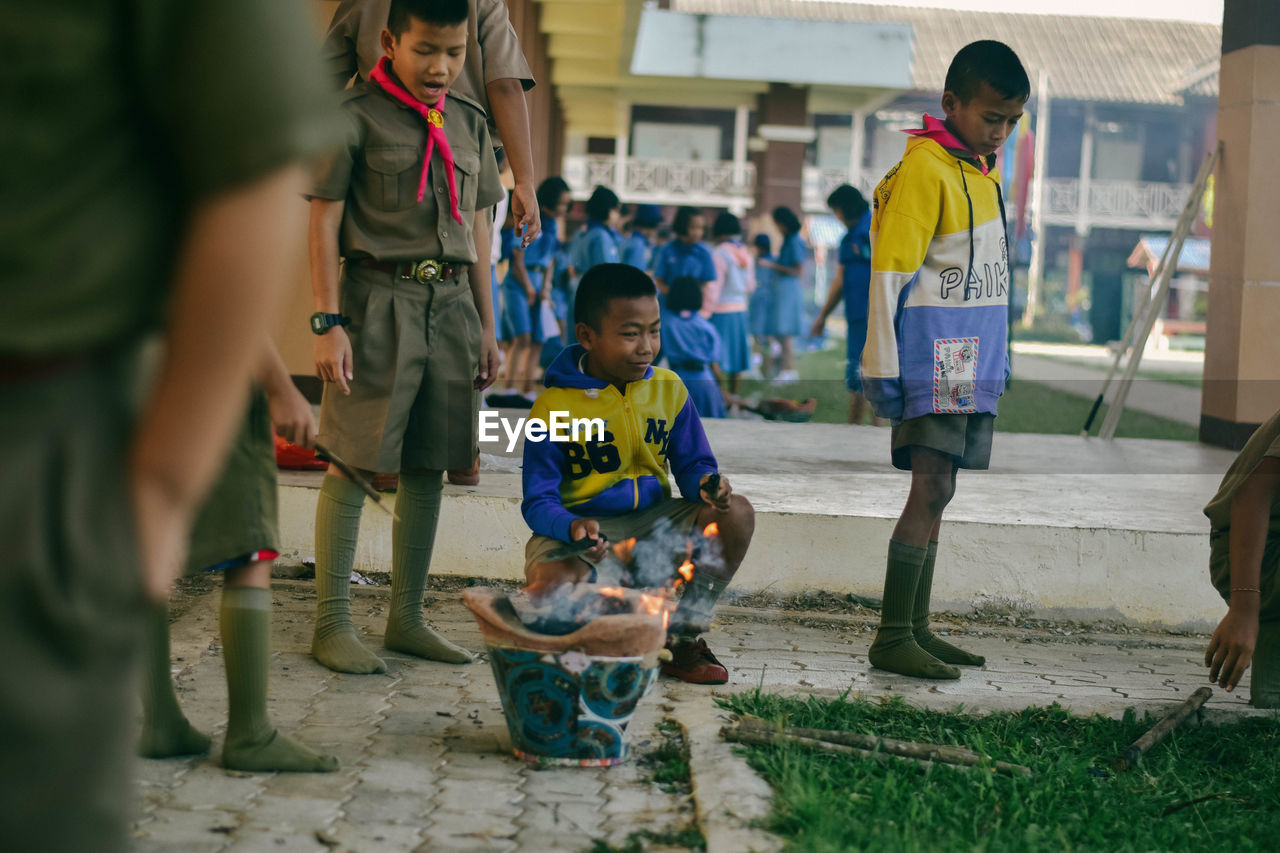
(322, 322)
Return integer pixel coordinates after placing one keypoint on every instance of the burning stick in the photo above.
(1130, 757)
(353, 475)
(867, 746)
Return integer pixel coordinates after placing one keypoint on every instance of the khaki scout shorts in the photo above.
(682, 513)
(71, 604)
(1220, 572)
(965, 438)
(239, 516)
(416, 351)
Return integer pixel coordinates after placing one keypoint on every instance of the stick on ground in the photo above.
(1170, 721)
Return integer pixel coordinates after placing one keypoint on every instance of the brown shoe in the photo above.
(693, 662)
(468, 477)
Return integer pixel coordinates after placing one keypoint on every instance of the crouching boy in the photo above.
(617, 489)
(1244, 559)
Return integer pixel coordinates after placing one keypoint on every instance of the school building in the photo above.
(747, 104)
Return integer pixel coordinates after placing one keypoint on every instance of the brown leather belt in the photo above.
(423, 272)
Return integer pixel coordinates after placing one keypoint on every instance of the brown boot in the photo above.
(467, 477)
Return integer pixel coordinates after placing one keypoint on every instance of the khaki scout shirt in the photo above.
(1265, 442)
(377, 174)
(115, 121)
(353, 45)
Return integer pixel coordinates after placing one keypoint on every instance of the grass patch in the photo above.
(1025, 407)
(829, 802)
(668, 763)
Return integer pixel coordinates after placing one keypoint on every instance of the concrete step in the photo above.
(1061, 526)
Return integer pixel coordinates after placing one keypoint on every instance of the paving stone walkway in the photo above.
(426, 761)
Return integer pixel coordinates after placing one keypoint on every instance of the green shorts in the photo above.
(1220, 572)
(416, 350)
(239, 516)
(71, 605)
(965, 438)
(683, 514)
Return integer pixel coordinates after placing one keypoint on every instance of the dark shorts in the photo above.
(965, 438)
(70, 607)
(1220, 572)
(683, 515)
(239, 517)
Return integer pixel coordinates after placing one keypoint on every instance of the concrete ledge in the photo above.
(1061, 526)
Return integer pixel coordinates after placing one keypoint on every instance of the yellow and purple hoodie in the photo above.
(936, 332)
(651, 425)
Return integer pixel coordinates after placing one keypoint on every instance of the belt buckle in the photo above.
(427, 272)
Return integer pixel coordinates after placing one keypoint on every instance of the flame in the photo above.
(686, 571)
(624, 549)
(654, 604)
(666, 619)
(711, 529)
(612, 591)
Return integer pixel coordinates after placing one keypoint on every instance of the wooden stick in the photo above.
(762, 736)
(873, 745)
(1158, 732)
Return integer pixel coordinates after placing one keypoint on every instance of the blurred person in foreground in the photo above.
(151, 186)
(1244, 556)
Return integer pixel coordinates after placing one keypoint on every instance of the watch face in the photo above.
(318, 324)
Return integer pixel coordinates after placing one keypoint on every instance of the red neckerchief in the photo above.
(435, 133)
(937, 130)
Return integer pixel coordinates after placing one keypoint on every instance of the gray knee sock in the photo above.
(939, 648)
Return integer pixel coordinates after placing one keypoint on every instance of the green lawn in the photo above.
(1072, 801)
(1025, 407)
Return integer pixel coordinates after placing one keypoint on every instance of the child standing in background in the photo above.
(760, 305)
(528, 281)
(726, 300)
(638, 248)
(786, 315)
(685, 255)
(693, 347)
(851, 284)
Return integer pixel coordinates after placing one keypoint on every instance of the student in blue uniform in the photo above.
(726, 302)
(685, 255)
(761, 304)
(528, 281)
(852, 283)
(597, 243)
(637, 250)
(692, 346)
(786, 319)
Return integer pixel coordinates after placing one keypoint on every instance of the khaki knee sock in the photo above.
(166, 731)
(894, 647)
(252, 742)
(939, 648)
(334, 642)
(1264, 683)
(413, 539)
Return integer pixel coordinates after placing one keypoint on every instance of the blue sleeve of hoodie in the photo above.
(544, 465)
(689, 452)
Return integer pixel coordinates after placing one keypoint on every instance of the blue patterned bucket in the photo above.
(569, 708)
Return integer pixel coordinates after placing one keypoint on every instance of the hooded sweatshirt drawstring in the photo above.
(1004, 223)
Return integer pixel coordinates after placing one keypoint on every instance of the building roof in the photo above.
(1119, 60)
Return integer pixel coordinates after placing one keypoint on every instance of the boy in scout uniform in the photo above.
(404, 325)
(236, 534)
(145, 193)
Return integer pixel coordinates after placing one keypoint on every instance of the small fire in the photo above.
(624, 549)
(686, 570)
(612, 591)
(653, 604)
(711, 529)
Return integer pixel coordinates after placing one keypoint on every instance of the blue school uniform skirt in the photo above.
(732, 327)
(704, 391)
(518, 318)
(497, 299)
(786, 315)
(758, 308)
